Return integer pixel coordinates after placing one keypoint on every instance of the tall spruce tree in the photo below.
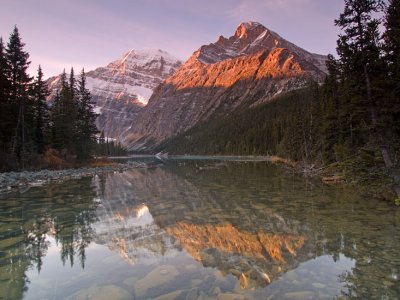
(331, 125)
(87, 129)
(57, 118)
(359, 51)
(392, 59)
(64, 114)
(72, 83)
(41, 112)
(392, 38)
(20, 104)
(55, 122)
(5, 117)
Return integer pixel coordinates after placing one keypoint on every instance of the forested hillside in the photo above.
(356, 110)
(287, 126)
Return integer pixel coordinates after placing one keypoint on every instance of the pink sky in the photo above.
(64, 33)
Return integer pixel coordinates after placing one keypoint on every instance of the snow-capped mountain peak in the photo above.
(122, 88)
(154, 61)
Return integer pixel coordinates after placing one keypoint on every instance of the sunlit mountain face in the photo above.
(251, 67)
(248, 229)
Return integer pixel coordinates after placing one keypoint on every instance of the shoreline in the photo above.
(17, 179)
(23, 180)
(11, 181)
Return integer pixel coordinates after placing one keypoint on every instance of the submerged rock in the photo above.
(102, 293)
(170, 296)
(319, 285)
(159, 276)
(130, 281)
(301, 295)
(193, 294)
(227, 296)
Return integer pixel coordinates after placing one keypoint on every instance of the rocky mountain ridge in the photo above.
(252, 66)
(122, 88)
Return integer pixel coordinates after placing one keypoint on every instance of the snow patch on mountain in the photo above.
(117, 90)
(97, 110)
(122, 88)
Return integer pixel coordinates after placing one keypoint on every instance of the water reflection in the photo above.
(188, 230)
(255, 259)
(64, 212)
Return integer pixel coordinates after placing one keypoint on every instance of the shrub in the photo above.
(52, 159)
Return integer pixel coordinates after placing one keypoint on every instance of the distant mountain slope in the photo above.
(281, 127)
(122, 88)
(248, 68)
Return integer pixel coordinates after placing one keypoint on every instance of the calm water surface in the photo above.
(196, 229)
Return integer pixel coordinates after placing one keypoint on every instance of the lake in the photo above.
(198, 229)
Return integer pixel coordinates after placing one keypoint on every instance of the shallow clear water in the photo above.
(197, 229)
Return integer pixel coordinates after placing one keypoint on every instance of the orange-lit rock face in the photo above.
(277, 63)
(252, 66)
(275, 243)
(254, 258)
(195, 238)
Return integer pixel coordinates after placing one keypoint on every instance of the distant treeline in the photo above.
(355, 113)
(107, 147)
(32, 133)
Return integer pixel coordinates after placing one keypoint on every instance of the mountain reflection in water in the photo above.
(265, 232)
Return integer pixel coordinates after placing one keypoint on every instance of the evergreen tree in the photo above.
(102, 143)
(64, 118)
(392, 59)
(332, 122)
(359, 51)
(41, 113)
(86, 120)
(5, 116)
(20, 106)
(72, 83)
(392, 38)
(71, 110)
(57, 118)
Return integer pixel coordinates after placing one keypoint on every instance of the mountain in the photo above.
(122, 88)
(251, 67)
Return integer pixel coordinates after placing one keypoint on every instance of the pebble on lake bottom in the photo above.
(301, 295)
(102, 293)
(159, 276)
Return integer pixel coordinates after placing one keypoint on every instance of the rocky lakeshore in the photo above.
(22, 180)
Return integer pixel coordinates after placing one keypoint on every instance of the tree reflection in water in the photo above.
(65, 212)
(250, 221)
(291, 220)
